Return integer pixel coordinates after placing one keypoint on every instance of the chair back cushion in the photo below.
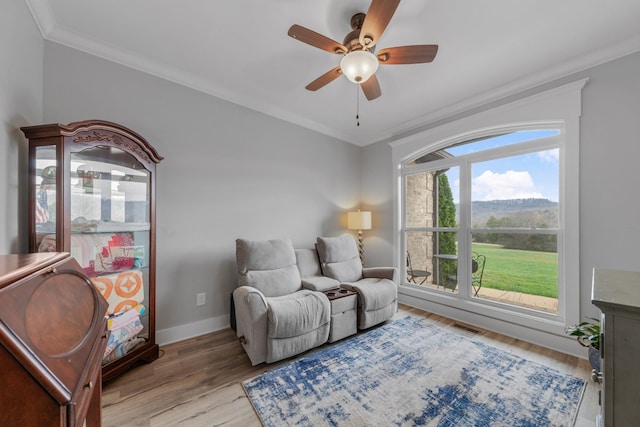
(308, 262)
(268, 265)
(339, 258)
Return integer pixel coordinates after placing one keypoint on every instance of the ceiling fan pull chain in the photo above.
(357, 105)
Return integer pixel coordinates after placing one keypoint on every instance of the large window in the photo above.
(487, 216)
(481, 219)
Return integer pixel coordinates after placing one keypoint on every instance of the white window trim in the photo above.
(560, 107)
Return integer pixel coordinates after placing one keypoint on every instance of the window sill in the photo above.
(454, 305)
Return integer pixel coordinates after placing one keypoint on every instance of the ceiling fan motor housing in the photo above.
(352, 40)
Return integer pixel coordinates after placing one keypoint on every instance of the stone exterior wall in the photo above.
(420, 211)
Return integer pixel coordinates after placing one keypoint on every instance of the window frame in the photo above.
(558, 108)
(464, 229)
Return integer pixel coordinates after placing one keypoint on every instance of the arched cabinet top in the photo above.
(98, 132)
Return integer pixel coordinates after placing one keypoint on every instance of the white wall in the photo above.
(20, 105)
(609, 181)
(228, 172)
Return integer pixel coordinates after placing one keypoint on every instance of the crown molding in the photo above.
(51, 31)
(42, 15)
(564, 69)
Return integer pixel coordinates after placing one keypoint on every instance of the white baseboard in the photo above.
(191, 330)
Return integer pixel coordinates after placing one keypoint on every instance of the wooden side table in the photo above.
(344, 313)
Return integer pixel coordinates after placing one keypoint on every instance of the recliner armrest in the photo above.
(252, 320)
(252, 298)
(319, 283)
(390, 273)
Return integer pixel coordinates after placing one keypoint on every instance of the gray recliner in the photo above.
(275, 317)
(376, 287)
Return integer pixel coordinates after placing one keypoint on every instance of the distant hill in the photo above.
(525, 212)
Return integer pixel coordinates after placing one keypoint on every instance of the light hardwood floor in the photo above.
(197, 382)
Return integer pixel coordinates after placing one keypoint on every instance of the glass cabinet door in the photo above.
(45, 197)
(110, 231)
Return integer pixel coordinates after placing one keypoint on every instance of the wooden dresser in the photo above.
(617, 295)
(52, 339)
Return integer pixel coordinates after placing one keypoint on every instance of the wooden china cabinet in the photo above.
(92, 194)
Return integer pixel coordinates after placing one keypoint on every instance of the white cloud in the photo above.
(549, 156)
(504, 186)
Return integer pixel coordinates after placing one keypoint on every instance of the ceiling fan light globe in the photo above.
(359, 65)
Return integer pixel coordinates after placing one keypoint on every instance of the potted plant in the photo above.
(588, 335)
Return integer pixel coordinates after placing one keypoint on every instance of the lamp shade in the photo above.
(360, 220)
(359, 65)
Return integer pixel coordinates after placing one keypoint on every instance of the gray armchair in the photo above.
(376, 287)
(275, 317)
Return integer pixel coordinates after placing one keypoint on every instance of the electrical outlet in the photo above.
(201, 299)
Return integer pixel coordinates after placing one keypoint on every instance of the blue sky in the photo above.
(520, 177)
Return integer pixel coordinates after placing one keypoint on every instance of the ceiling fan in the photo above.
(360, 61)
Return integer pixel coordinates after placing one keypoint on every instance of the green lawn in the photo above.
(529, 272)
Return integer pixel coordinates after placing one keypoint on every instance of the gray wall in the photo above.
(609, 181)
(20, 105)
(231, 172)
(377, 192)
(609, 178)
(228, 172)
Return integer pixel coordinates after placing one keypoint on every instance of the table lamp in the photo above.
(360, 220)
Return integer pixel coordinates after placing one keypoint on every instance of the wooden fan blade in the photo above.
(324, 79)
(418, 54)
(378, 16)
(371, 88)
(312, 38)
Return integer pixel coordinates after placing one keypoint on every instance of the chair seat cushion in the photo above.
(375, 293)
(297, 314)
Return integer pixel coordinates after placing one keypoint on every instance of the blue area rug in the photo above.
(411, 373)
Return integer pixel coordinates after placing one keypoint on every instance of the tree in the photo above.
(446, 215)
(446, 240)
(531, 242)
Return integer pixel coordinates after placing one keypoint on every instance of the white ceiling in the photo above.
(239, 51)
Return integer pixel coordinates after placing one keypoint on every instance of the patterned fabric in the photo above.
(408, 373)
(100, 253)
(123, 291)
(42, 207)
(122, 338)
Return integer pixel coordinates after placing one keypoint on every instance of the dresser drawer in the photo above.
(90, 382)
(343, 304)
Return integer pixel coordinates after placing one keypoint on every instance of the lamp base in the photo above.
(361, 247)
